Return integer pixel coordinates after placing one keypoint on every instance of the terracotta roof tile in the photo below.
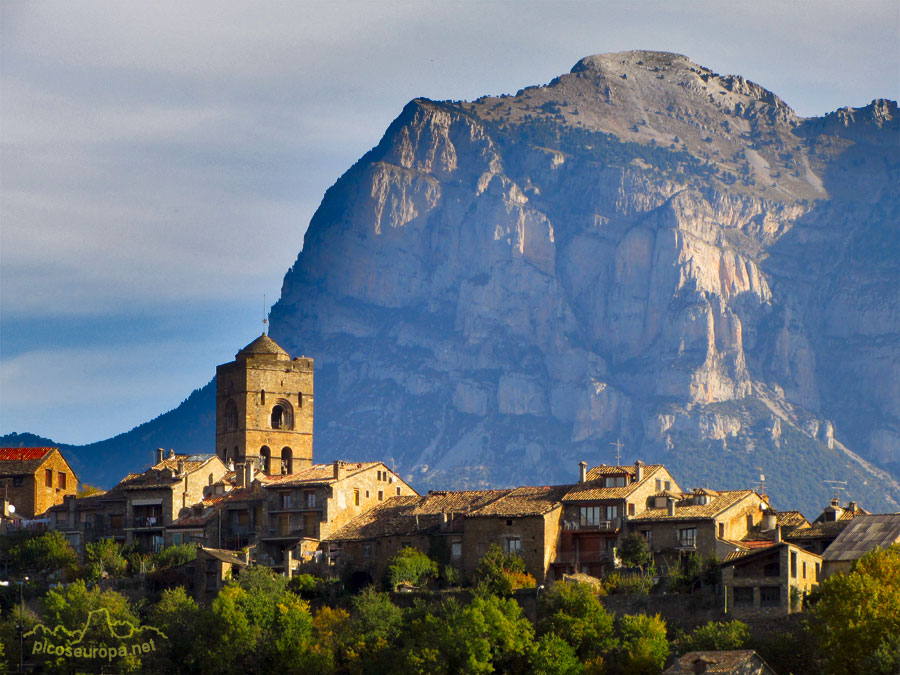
(686, 509)
(524, 501)
(19, 461)
(316, 474)
(592, 489)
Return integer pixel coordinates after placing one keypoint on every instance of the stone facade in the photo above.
(760, 583)
(264, 408)
(597, 510)
(35, 479)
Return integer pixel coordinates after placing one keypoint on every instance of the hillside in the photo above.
(642, 250)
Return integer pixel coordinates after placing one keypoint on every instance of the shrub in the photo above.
(409, 566)
(173, 556)
(644, 647)
(104, 557)
(635, 551)
(502, 573)
(47, 553)
(573, 612)
(716, 636)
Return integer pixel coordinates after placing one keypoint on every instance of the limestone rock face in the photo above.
(641, 250)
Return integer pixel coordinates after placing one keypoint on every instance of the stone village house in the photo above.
(33, 480)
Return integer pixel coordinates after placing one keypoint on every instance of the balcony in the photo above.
(294, 506)
(147, 522)
(599, 526)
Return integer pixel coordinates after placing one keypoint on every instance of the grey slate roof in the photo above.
(863, 534)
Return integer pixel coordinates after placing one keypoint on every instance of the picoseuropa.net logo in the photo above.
(100, 639)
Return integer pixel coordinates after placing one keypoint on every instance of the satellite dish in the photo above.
(11, 508)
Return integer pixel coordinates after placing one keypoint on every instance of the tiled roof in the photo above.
(153, 478)
(592, 489)
(317, 473)
(686, 509)
(524, 501)
(233, 557)
(406, 515)
(818, 530)
(717, 662)
(790, 519)
(863, 534)
(262, 345)
(18, 461)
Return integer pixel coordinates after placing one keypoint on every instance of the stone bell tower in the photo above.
(264, 408)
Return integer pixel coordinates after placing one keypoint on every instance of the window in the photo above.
(687, 536)
(793, 564)
(612, 512)
(287, 460)
(61, 480)
(646, 535)
(769, 596)
(285, 500)
(367, 550)
(177, 539)
(804, 569)
(456, 549)
(818, 571)
(398, 491)
(721, 530)
(356, 497)
(266, 457)
(367, 494)
(300, 399)
(230, 418)
(48, 477)
(668, 485)
(262, 397)
(589, 516)
(749, 520)
(381, 495)
(743, 596)
(631, 509)
(310, 500)
(18, 481)
(658, 484)
(772, 569)
(615, 481)
(514, 545)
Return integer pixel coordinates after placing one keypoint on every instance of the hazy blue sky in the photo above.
(161, 160)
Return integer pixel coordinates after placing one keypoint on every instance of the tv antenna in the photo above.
(837, 486)
(619, 445)
(265, 319)
(762, 481)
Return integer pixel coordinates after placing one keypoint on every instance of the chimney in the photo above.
(670, 506)
(835, 501)
(288, 562)
(248, 473)
(851, 507)
(582, 471)
(444, 520)
(159, 455)
(638, 471)
(769, 520)
(338, 469)
(171, 454)
(778, 534)
(180, 467)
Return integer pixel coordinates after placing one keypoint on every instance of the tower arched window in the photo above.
(287, 460)
(282, 415)
(230, 418)
(266, 456)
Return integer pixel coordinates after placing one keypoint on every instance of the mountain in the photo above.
(641, 251)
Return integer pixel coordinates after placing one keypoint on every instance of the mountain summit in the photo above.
(642, 250)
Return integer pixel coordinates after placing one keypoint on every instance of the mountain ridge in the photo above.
(642, 250)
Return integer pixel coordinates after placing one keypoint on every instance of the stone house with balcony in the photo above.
(770, 580)
(84, 520)
(455, 528)
(34, 480)
(705, 522)
(597, 508)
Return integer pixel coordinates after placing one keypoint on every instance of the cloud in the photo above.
(170, 154)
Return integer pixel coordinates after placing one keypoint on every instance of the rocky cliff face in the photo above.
(641, 250)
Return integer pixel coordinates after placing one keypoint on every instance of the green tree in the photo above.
(861, 609)
(104, 557)
(643, 646)
(373, 631)
(75, 608)
(635, 551)
(487, 635)
(186, 626)
(502, 573)
(44, 554)
(573, 612)
(409, 566)
(716, 636)
(552, 655)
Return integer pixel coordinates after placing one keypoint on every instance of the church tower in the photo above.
(264, 408)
